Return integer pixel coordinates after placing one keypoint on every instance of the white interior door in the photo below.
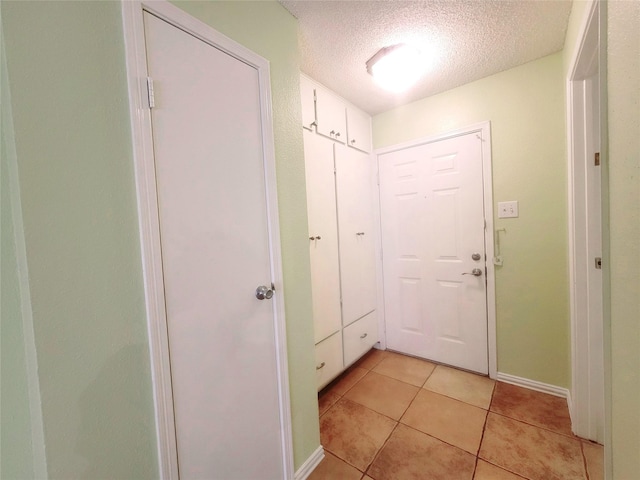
(432, 220)
(209, 165)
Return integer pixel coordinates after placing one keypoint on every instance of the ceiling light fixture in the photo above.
(397, 67)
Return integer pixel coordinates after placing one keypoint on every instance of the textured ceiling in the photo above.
(468, 40)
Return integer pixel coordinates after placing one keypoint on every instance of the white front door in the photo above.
(432, 218)
(214, 234)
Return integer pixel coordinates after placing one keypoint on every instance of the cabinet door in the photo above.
(323, 234)
(355, 226)
(358, 129)
(308, 103)
(328, 360)
(359, 337)
(330, 115)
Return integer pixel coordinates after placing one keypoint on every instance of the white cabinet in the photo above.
(359, 337)
(323, 234)
(358, 130)
(308, 99)
(341, 248)
(329, 360)
(356, 236)
(330, 115)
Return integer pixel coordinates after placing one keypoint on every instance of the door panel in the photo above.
(323, 248)
(432, 222)
(215, 251)
(355, 230)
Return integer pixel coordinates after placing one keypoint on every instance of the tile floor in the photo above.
(394, 417)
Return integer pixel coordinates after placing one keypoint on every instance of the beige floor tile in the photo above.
(594, 455)
(413, 455)
(332, 468)
(371, 359)
(347, 380)
(467, 387)
(486, 471)
(532, 452)
(536, 408)
(383, 394)
(354, 433)
(406, 369)
(326, 400)
(452, 421)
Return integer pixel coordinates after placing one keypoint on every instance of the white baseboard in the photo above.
(310, 464)
(534, 385)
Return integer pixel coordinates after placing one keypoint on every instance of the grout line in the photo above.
(438, 439)
(546, 429)
(484, 428)
(505, 469)
(384, 444)
(584, 462)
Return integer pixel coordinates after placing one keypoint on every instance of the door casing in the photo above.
(135, 51)
(587, 322)
(483, 129)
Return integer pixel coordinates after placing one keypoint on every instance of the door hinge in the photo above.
(150, 93)
(597, 159)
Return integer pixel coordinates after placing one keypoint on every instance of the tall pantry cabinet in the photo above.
(337, 144)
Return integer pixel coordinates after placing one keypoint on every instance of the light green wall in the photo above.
(623, 85)
(69, 99)
(269, 30)
(526, 108)
(16, 455)
(67, 72)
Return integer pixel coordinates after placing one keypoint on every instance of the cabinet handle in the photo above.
(337, 134)
(332, 133)
(364, 335)
(320, 366)
(317, 237)
(359, 233)
(353, 141)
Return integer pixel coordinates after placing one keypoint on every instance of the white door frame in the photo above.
(585, 324)
(482, 129)
(132, 16)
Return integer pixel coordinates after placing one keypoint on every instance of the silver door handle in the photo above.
(263, 292)
(476, 272)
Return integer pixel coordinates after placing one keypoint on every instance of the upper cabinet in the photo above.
(333, 117)
(330, 111)
(308, 98)
(358, 129)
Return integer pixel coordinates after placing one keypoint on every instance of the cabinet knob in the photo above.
(337, 134)
(359, 233)
(364, 335)
(332, 132)
(317, 237)
(353, 141)
(320, 366)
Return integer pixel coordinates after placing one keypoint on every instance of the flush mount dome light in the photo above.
(397, 67)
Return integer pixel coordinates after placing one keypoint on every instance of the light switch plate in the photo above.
(508, 209)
